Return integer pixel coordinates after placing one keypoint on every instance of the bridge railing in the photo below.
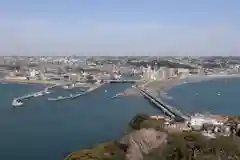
(164, 109)
(170, 109)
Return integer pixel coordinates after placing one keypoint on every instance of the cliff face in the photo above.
(104, 151)
(131, 147)
(142, 142)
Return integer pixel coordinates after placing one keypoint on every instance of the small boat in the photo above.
(82, 90)
(52, 99)
(57, 99)
(76, 95)
(105, 91)
(218, 93)
(69, 87)
(117, 95)
(38, 94)
(46, 91)
(17, 103)
(66, 87)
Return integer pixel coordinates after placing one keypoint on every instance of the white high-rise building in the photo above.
(33, 73)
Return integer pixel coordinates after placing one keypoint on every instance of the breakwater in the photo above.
(18, 101)
(73, 96)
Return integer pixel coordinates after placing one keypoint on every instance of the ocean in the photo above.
(50, 130)
(217, 96)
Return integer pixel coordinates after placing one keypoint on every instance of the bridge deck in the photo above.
(171, 111)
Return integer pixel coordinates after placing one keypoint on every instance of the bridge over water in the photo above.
(167, 109)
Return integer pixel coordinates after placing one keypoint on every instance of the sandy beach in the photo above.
(161, 86)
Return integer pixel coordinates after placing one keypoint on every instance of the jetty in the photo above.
(167, 109)
(58, 98)
(73, 96)
(16, 101)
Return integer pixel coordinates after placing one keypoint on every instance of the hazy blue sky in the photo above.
(120, 27)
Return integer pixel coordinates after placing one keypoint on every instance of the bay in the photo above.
(50, 130)
(219, 96)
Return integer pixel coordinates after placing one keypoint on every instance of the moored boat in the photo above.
(46, 91)
(17, 103)
(38, 94)
(57, 99)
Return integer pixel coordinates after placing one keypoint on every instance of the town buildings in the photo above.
(164, 73)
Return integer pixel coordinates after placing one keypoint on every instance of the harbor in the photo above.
(74, 108)
(73, 96)
(65, 121)
(18, 101)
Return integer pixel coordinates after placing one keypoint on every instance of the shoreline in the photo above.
(165, 85)
(44, 82)
(160, 88)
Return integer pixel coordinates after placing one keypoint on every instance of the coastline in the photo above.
(159, 88)
(165, 85)
(156, 86)
(20, 81)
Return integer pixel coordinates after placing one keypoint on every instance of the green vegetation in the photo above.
(105, 151)
(114, 150)
(143, 121)
(179, 146)
(136, 122)
(194, 146)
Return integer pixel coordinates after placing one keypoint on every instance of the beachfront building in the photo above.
(33, 73)
(172, 72)
(75, 77)
(182, 72)
(148, 73)
(198, 120)
(162, 73)
(237, 68)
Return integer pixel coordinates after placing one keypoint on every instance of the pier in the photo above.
(73, 96)
(167, 109)
(16, 100)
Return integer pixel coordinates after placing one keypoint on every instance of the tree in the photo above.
(151, 123)
(137, 120)
(194, 146)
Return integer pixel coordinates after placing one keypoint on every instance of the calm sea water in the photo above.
(220, 96)
(50, 130)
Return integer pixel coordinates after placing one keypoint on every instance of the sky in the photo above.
(120, 27)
